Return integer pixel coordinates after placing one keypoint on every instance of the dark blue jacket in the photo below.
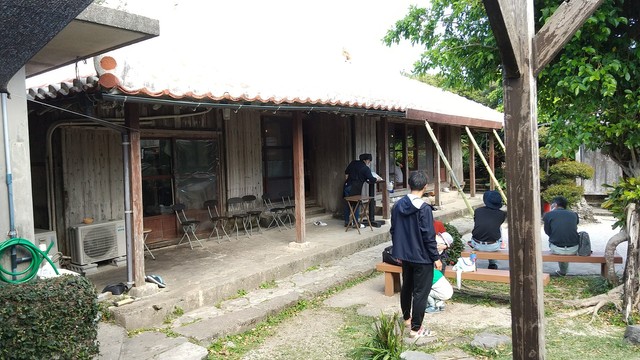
(562, 227)
(412, 231)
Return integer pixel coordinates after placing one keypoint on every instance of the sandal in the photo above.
(422, 332)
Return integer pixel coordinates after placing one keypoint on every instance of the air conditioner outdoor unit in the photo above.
(91, 243)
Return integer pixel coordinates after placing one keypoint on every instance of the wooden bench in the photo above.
(392, 276)
(595, 258)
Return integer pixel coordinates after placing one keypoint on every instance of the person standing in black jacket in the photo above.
(356, 174)
(414, 243)
(562, 227)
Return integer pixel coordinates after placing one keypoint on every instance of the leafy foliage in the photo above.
(625, 192)
(50, 318)
(451, 255)
(589, 94)
(572, 192)
(572, 169)
(385, 341)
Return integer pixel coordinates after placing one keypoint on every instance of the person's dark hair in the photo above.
(561, 201)
(365, 156)
(418, 180)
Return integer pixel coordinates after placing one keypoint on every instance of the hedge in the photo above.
(52, 318)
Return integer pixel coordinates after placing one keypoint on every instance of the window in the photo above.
(277, 152)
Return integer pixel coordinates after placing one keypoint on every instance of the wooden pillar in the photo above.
(436, 164)
(492, 161)
(132, 121)
(472, 169)
(521, 133)
(383, 150)
(298, 177)
(512, 23)
(405, 157)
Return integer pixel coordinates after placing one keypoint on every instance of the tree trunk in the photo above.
(630, 299)
(609, 253)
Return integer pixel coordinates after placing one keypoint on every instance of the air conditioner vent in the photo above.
(97, 242)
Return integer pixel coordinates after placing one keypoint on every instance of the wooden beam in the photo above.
(472, 169)
(525, 256)
(502, 19)
(559, 29)
(298, 177)
(492, 161)
(132, 121)
(438, 118)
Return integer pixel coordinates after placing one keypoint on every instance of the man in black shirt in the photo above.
(356, 174)
(562, 227)
(486, 234)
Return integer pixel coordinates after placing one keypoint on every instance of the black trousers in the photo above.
(416, 286)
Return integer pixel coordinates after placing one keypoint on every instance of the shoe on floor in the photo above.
(432, 309)
(422, 332)
(493, 266)
(560, 273)
(156, 279)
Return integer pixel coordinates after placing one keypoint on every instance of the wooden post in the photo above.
(132, 121)
(405, 164)
(446, 164)
(472, 168)
(484, 161)
(523, 54)
(436, 165)
(384, 167)
(298, 177)
(492, 160)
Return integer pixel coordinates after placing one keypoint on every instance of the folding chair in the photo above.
(252, 211)
(236, 212)
(289, 208)
(216, 219)
(276, 212)
(188, 225)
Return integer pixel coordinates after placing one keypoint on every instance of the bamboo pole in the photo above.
(499, 141)
(446, 164)
(484, 161)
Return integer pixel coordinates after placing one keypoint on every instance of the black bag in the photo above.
(584, 244)
(116, 289)
(388, 258)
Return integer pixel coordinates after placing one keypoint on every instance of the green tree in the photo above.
(589, 94)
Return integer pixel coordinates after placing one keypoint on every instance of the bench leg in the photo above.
(603, 270)
(391, 283)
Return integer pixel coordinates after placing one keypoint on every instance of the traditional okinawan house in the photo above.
(185, 127)
(221, 143)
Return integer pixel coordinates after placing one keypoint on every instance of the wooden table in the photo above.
(354, 202)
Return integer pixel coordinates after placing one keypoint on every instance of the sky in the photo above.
(261, 35)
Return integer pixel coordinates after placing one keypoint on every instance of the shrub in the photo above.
(572, 192)
(571, 170)
(49, 319)
(451, 255)
(625, 192)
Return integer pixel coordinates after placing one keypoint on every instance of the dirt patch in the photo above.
(313, 335)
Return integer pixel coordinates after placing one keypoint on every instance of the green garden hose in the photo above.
(37, 256)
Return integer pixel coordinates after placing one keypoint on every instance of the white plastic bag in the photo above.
(463, 264)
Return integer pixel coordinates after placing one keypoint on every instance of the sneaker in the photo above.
(493, 266)
(422, 332)
(156, 279)
(560, 273)
(431, 309)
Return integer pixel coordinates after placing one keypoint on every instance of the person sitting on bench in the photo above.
(562, 227)
(486, 234)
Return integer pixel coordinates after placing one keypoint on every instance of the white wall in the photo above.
(20, 163)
